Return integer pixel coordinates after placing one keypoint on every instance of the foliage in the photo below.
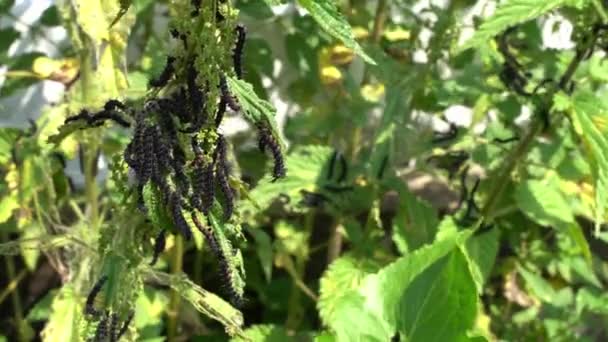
(344, 211)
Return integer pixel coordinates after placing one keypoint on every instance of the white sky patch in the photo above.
(557, 33)
(459, 115)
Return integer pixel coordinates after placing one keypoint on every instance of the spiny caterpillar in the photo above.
(125, 326)
(512, 75)
(159, 246)
(226, 96)
(89, 308)
(101, 332)
(237, 52)
(267, 141)
(109, 112)
(165, 75)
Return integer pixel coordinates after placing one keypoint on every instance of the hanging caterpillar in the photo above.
(237, 52)
(267, 141)
(90, 303)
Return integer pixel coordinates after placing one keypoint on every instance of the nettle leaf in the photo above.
(441, 303)
(331, 21)
(273, 2)
(415, 223)
(204, 301)
(481, 251)
(345, 273)
(264, 332)
(254, 109)
(156, 210)
(587, 114)
(381, 305)
(511, 13)
(63, 324)
(544, 203)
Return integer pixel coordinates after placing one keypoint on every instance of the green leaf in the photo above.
(377, 309)
(537, 285)
(265, 333)
(344, 274)
(50, 17)
(5, 5)
(42, 309)
(273, 2)
(543, 203)
(7, 36)
(415, 223)
(254, 109)
(510, 13)
(21, 62)
(588, 113)
(202, 300)
(8, 203)
(263, 247)
(441, 303)
(331, 21)
(63, 321)
(481, 251)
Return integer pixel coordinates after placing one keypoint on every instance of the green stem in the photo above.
(16, 300)
(295, 309)
(379, 20)
(198, 266)
(600, 10)
(176, 268)
(509, 164)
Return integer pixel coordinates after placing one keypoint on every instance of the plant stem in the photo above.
(12, 285)
(600, 10)
(295, 311)
(16, 300)
(508, 166)
(379, 20)
(176, 268)
(334, 246)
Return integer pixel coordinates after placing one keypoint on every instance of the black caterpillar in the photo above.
(237, 53)
(165, 75)
(89, 308)
(267, 141)
(227, 97)
(159, 246)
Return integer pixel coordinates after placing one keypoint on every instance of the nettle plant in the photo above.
(333, 241)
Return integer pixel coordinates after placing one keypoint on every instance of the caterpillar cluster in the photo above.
(177, 155)
(107, 326)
